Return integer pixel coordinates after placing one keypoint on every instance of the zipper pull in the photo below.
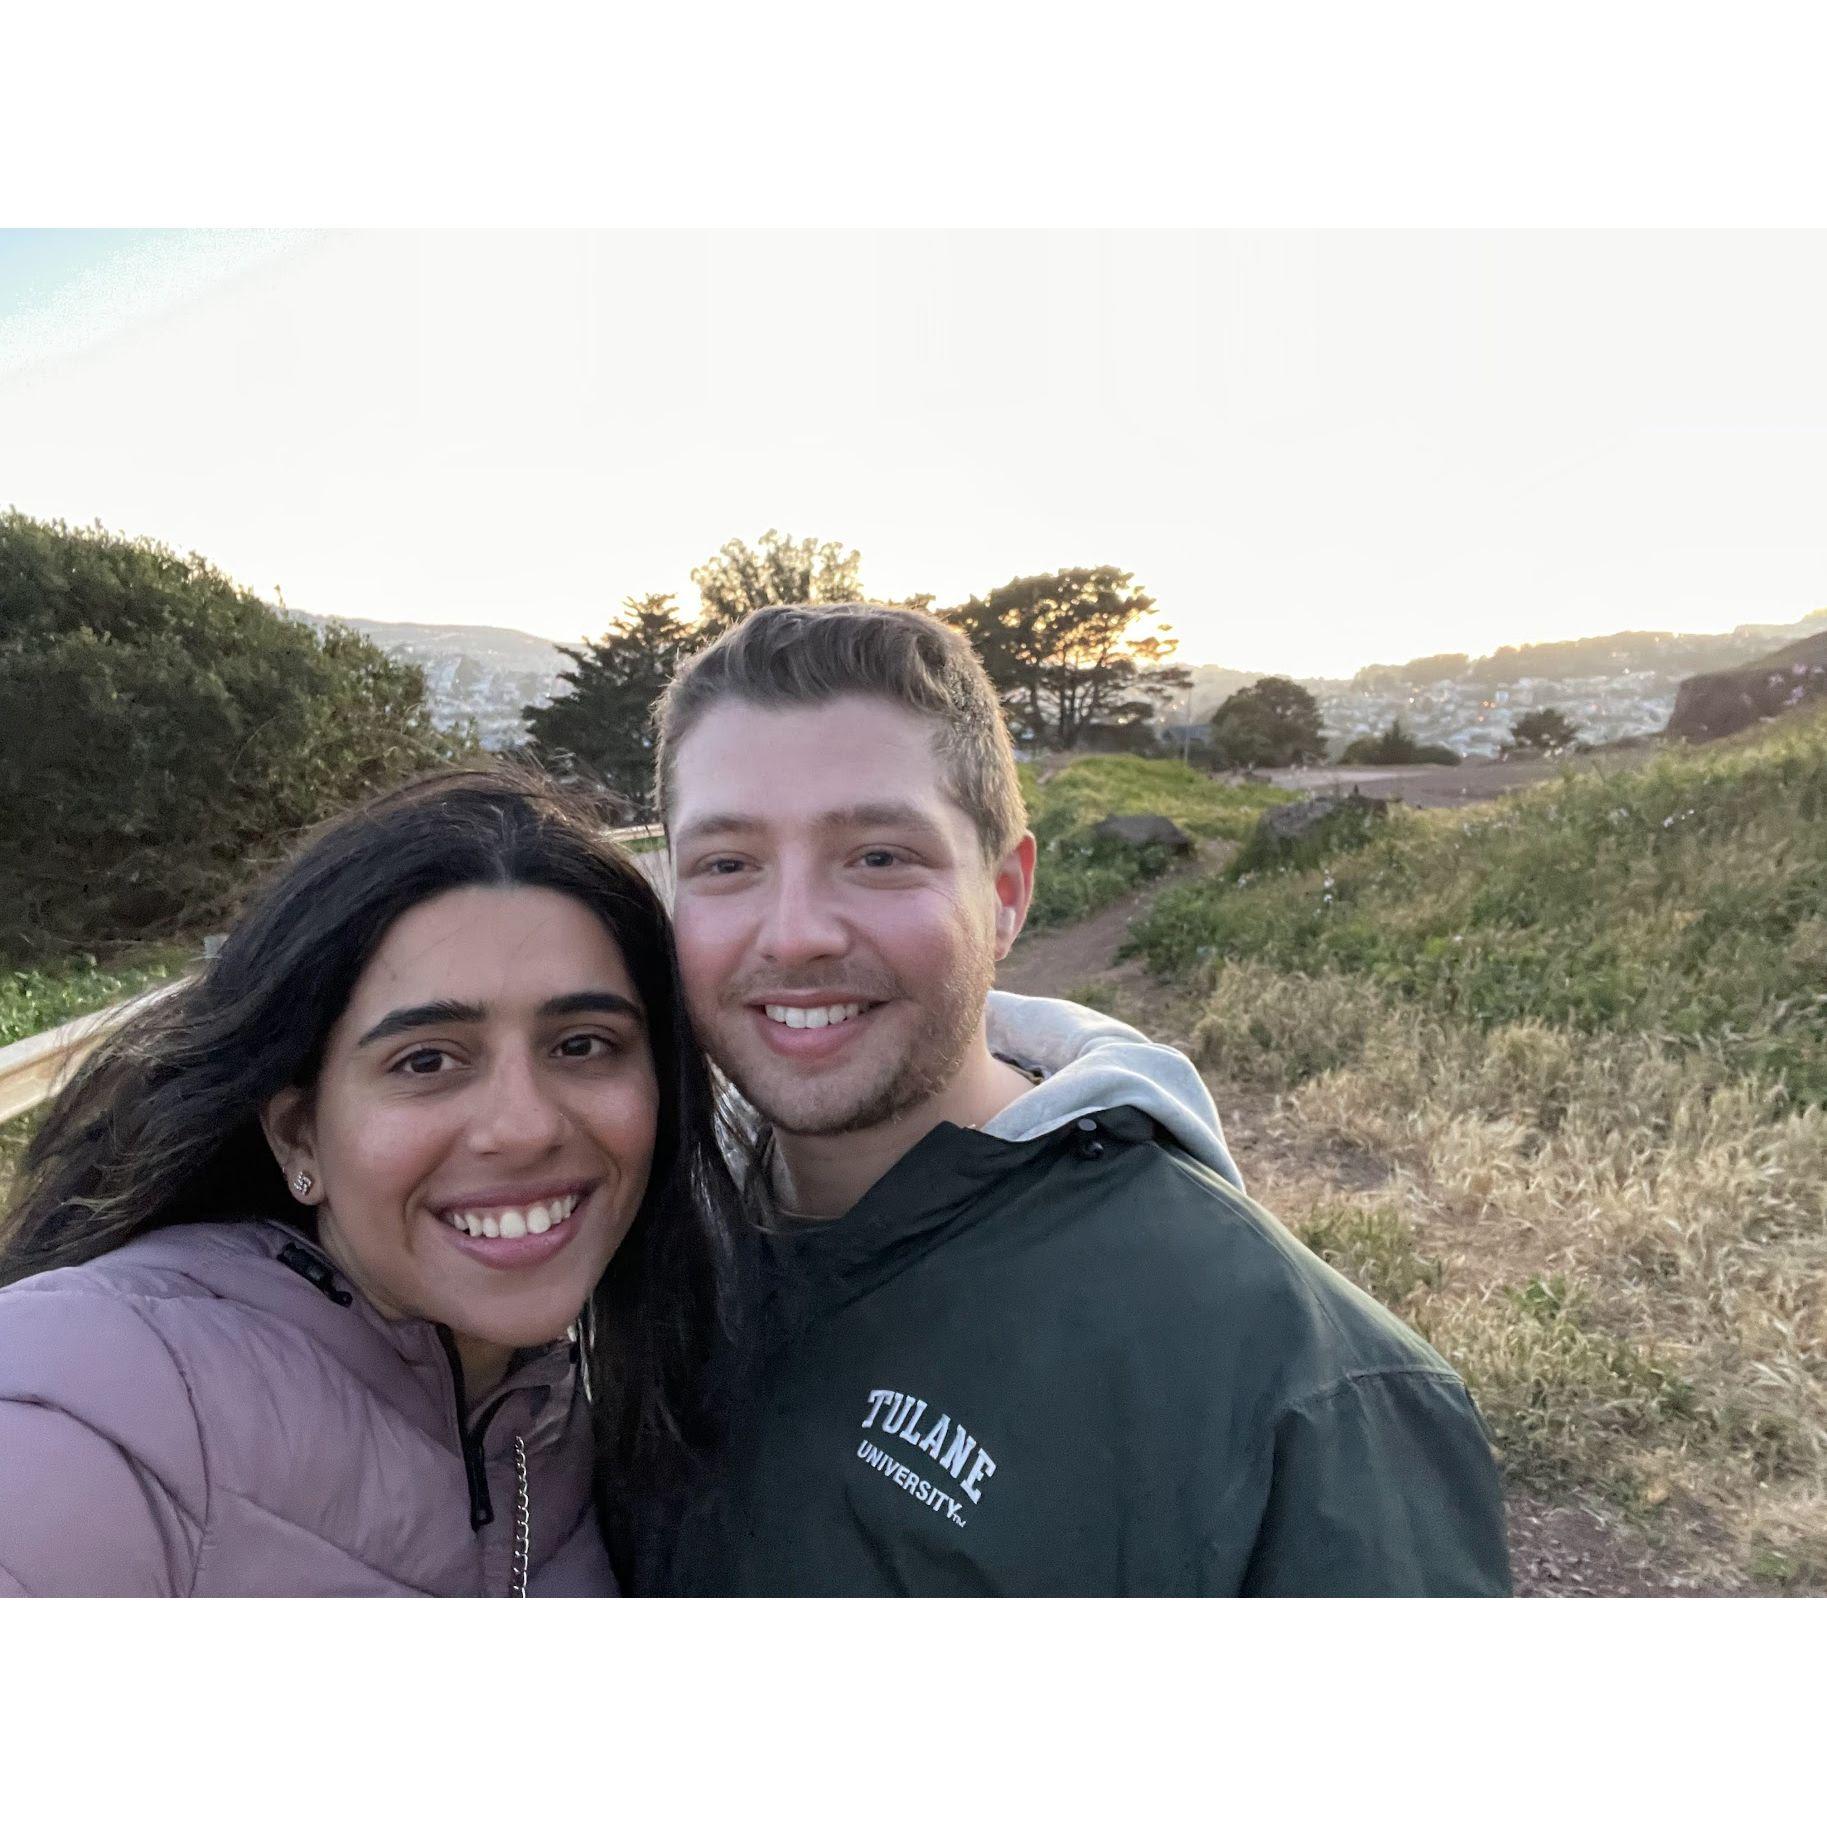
(301, 1262)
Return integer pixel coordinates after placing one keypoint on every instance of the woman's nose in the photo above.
(518, 1114)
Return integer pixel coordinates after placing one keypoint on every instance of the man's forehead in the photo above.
(742, 746)
(755, 758)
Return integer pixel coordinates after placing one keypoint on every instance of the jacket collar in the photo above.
(418, 1342)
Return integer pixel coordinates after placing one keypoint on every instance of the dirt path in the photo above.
(1433, 785)
(1066, 958)
(1564, 1549)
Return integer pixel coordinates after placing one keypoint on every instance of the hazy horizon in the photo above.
(1316, 450)
(1472, 655)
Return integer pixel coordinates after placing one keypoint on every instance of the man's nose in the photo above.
(519, 1115)
(802, 923)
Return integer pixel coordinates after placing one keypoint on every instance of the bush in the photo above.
(33, 1002)
(1396, 747)
(162, 731)
(1271, 724)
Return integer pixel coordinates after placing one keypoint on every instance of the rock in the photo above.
(1715, 704)
(1139, 828)
(1290, 823)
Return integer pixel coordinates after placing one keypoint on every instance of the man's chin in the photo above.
(836, 1109)
(806, 1119)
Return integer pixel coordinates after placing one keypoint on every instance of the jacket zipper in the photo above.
(475, 1467)
(475, 1471)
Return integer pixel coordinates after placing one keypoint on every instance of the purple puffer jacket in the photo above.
(212, 1410)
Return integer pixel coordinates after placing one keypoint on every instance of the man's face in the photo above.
(838, 928)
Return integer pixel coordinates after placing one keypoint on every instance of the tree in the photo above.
(1396, 747)
(777, 569)
(1066, 657)
(1545, 730)
(603, 727)
(1271, 724)
(163, 731)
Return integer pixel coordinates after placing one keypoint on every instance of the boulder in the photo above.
(1301, 817)
(1139, 828)
(1715, 704)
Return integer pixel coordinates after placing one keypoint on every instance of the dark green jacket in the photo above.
(1085, 1364)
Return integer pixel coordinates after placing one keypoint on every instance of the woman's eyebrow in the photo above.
(592, 1002)
(451, 1014)
(422, 1015)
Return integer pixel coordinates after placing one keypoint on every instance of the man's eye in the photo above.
(423, 1062)
(880, 859)
(720, 865)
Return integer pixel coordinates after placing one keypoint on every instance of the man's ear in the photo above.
(286, 1121)
(1014, 890)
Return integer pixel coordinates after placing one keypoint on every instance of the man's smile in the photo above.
(814, 1015)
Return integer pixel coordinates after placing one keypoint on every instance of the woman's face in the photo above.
(482, 1128)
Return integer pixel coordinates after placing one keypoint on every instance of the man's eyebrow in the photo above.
(903, 814)
(900, 812)
(714, 824)
(453, 1014)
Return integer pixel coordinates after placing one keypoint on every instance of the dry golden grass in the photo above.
(1620, 1243)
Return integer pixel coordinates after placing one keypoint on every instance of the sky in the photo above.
(1314, 449)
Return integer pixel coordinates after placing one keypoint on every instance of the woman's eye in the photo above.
(721, 865)
(425, 1062)
(586, 1046)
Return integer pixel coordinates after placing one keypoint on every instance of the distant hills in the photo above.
(484, 674)
(1667, 657)
(1612, 686)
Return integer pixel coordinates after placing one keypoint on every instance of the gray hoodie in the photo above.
(1090, 1062)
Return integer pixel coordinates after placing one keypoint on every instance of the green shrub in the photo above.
(195, 733)
(32, 1002)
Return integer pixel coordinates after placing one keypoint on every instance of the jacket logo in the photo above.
(948, 1442)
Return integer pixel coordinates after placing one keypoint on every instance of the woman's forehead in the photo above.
(482, 944)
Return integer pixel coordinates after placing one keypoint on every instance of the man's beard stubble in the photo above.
(933, 1059)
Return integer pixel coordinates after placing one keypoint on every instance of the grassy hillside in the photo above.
(1685, 899)
(1076, 875)
(33, 1001)
(1573, 1050)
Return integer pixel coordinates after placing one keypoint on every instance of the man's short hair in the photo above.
(808, 654)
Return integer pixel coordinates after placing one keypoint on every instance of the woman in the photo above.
(311, 1270)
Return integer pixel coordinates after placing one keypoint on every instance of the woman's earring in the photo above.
(302, 1183)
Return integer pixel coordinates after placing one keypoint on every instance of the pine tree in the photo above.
(602, 729)
(1068, 657)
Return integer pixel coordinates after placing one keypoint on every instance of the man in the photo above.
(1026, 1334)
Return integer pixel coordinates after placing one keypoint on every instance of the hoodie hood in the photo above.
(1090, 1062)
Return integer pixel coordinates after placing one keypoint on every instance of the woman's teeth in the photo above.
(513, 1221)
(812, 1018)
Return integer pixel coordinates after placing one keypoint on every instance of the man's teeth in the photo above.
(827, 1017)
(514, 1221)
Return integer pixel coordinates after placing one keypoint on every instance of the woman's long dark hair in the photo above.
(161, 1126)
